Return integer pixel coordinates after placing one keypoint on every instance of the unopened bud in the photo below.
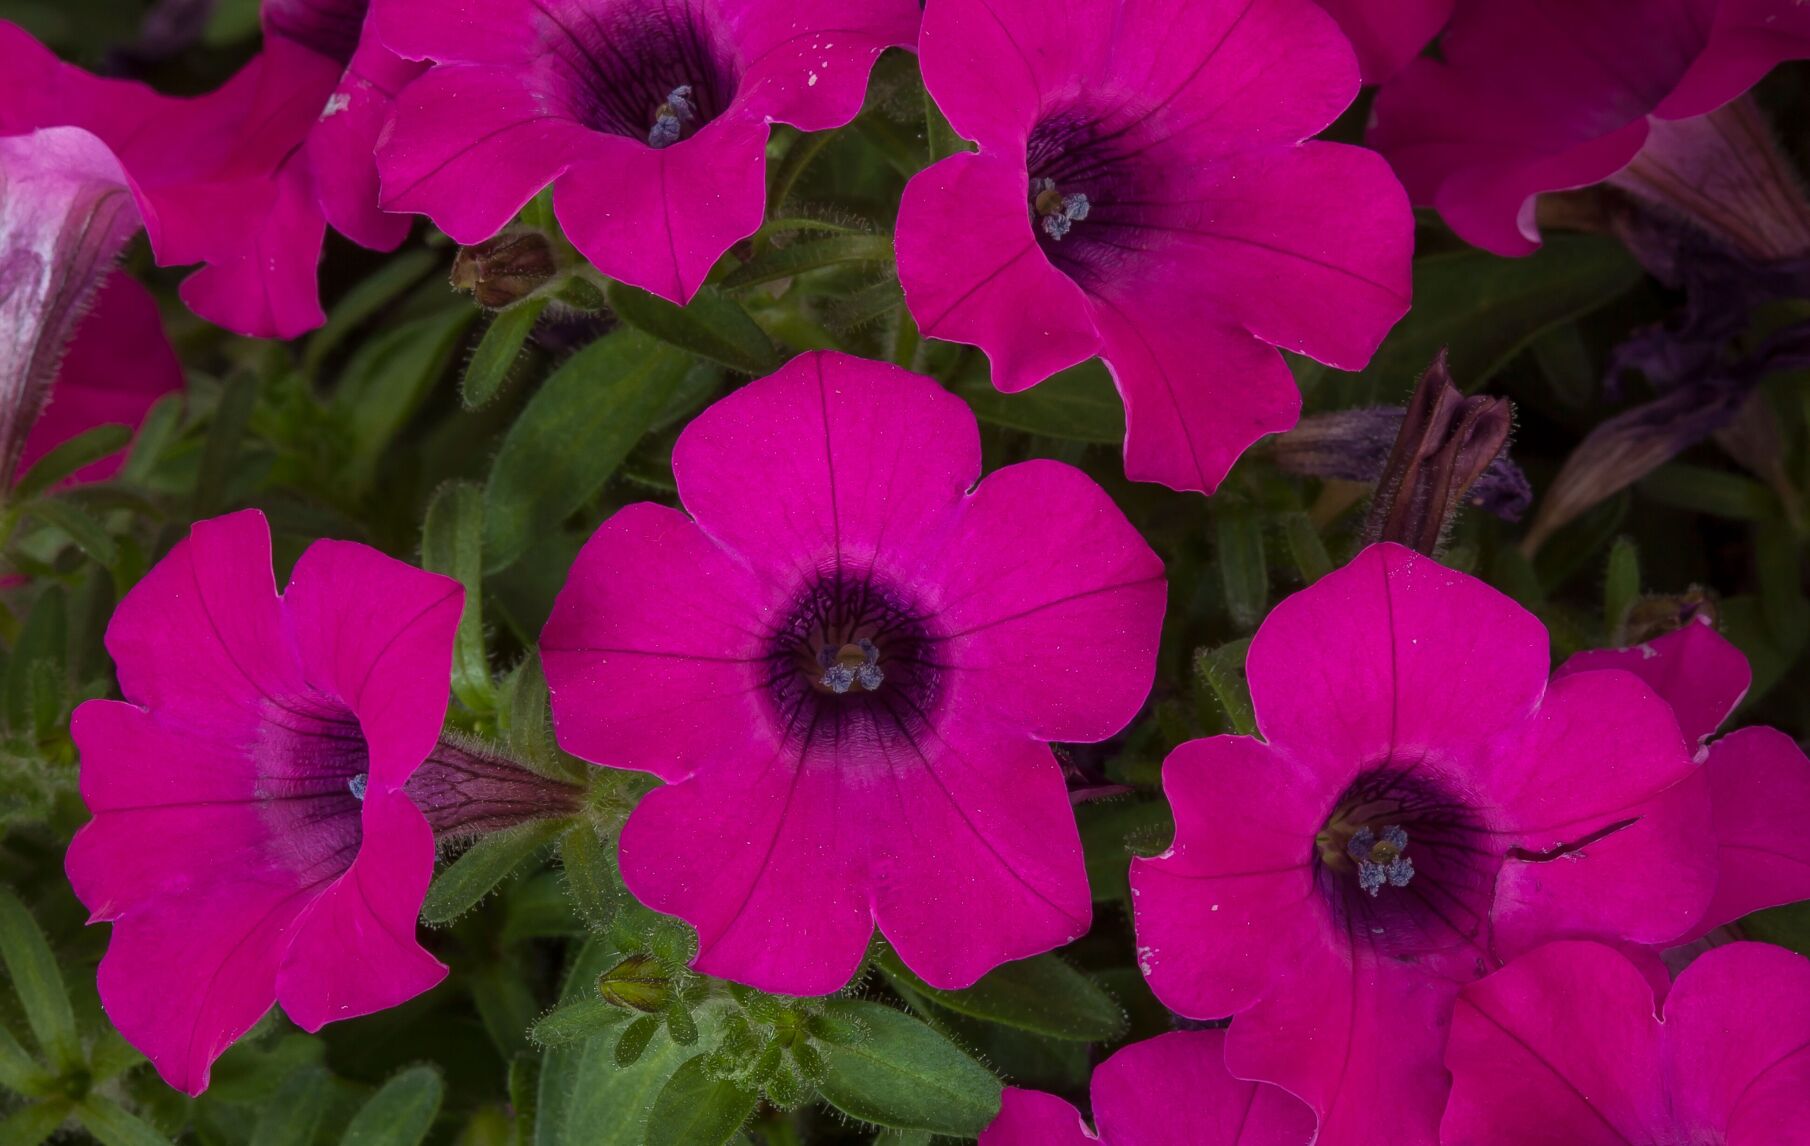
(1446, 443)
(505, 269)
(639, 983)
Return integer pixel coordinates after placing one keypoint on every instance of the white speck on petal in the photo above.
(336, 103)
(812, 81)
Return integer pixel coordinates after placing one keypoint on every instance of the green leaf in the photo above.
(590, 882)
(19, 1072)
(1222, 670)
(293, 1115)
(524, 1096)
(73, 522)
(799, 257)
(906, 1076)
(394, 276)
(39, 985)
(1704, 490)
(575, 1022)
(400, 1113)
(585, 1098)
(42, 640)
(1077, 405)
(498, 352)
(571, 437)
(112, 1125)
(30, 1125)
(70, 456)
(452, 543)
(161, 426)
(1043, 995)
(1621, 585)
(712, 326)
(224, 434)
(484, 865)
(938, 135)
(696, 1108)
(1305, 547)
(390, 376)
(1243, 566)
(1484, 308)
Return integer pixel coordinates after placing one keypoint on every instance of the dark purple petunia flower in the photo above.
(649, 117)
(1142, 193)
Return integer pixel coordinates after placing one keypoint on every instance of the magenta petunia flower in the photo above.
(251, 842)
(1388, 33)
(1172, 1090)
(1565, 1047)
(845, 664)
(1142, 193)
(649, 117)
(217, 179)
(1422, 806)
(1530, 96)
(1759, 779)
(118, 365)
(341, 145)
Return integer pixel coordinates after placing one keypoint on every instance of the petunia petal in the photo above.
(805, 62)
(661, 673)
(1236, 890)
(813, 468)
(989, 63)
(1737, 1037)
(1559, 1049)
(1395, 656)
(1174, 1090)
(1353, 1034)
(1759, 783)
(1700, 674)
(202, 633)
(377, 635)
(1054, 625)
(765, 860)
(342, 145)
(476, 31)
(1033, 1118)
(471, 145)
(1002, 295)
(1387, 36)
(1601, 845)
(976, 859)
(354, 950)
(660, 218)
(1197, 395)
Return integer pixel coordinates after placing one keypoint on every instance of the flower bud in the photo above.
(1446, 443)
(506, 269)
(638, 983)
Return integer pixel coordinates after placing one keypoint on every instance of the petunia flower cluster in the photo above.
(1442, 893)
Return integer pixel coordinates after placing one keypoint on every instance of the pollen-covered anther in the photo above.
(1057, 213)
(1381, 860)
(672, 117)
(852, 664)
(358, 785)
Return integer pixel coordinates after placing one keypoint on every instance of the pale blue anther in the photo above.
(1381, 861)
(358, 784)
(671, 117)
(1057, 213)
(842, 672)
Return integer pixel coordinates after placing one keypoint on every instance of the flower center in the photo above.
(1405, 864)
(672, 117)
(654, 73)
(313, 771)
(853, 653)
(1056, 213)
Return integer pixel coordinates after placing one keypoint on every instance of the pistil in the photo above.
(672, 117)
(1057, 213)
